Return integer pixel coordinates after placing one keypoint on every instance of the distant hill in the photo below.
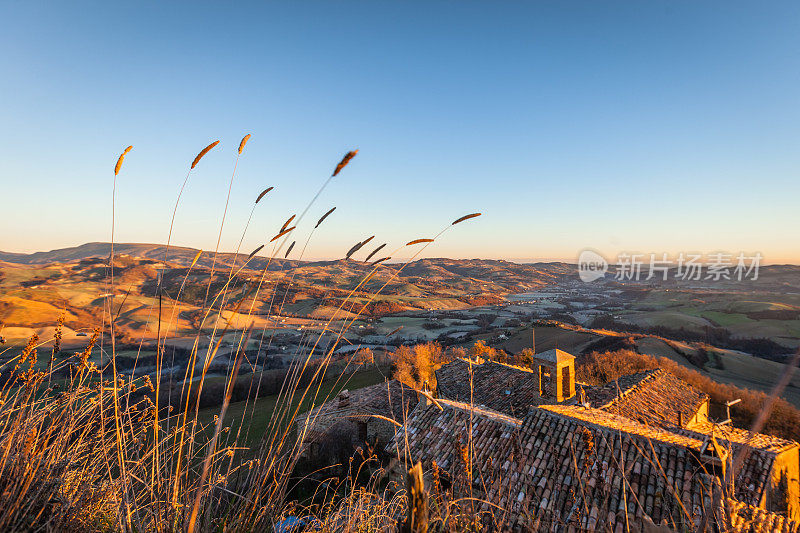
(35, 289)
(505, 274)
(178, 255)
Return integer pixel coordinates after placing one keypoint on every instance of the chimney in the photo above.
(344, 398)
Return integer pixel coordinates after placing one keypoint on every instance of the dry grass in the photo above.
(243, 142)
(289, 249)
(203, 152)
(343, 163)
(263, 193)
(418, 241)
(84, 448)
(323, 217)
(466, 217)
(118, 166)
(375, 251)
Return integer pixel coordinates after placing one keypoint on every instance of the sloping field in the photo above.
(20, 311)
(669, 319)
(549, 337)
(659, 348)
(754, 373)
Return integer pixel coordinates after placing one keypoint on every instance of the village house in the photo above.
(538, 450)
(654, 397)
(594, 458)
(585, 469)
(369, 415)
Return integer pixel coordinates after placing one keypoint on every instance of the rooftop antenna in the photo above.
(728, 409)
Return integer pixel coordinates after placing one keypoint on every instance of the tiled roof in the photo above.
(571, 465)
(736, 435)
(753, 475)
(390, 399)
(554, 356)
(654, 397)
(739, 517)
(500, 387)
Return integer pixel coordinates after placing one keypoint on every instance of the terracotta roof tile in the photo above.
(585, 468)
(500, 387)
(654, 397)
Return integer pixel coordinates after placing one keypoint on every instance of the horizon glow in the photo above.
(659, 127)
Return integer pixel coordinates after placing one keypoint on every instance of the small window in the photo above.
(566, 381)
(544, 382)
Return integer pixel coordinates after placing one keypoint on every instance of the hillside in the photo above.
(35, 289)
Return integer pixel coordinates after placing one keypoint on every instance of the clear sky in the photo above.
(651, 126)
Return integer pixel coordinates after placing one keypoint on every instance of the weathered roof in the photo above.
(500, 387)
(572, 465)
(654, 397)
(555, 356)
(727, 433)
(390, 399)
(739, 517)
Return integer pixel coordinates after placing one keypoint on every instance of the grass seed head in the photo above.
(121, 159)
(281, 234)
(286, 224)
(323, 217)
(196, 257)
(356, 247)
(289, 250)
(343, 163)
(466, 217)
(375, 251)
(254, 252)
(263, 193)
(244, 141)
(203, 152)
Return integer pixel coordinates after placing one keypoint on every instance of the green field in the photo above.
(257, 414)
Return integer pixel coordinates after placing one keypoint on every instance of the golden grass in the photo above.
(286, 224)
(118, 166)
(343, 163)
(282, 233)
(263, 193)
(203, 152)
(375, 251)
(465, 217)
(243, 142)
(289, 250)
(254, 252)
(323, 217)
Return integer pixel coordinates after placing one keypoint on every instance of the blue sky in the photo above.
(636, 126)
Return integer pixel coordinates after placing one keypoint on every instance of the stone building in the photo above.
(543, 452)
(654, 397)
(576, 468)
(368, 415)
